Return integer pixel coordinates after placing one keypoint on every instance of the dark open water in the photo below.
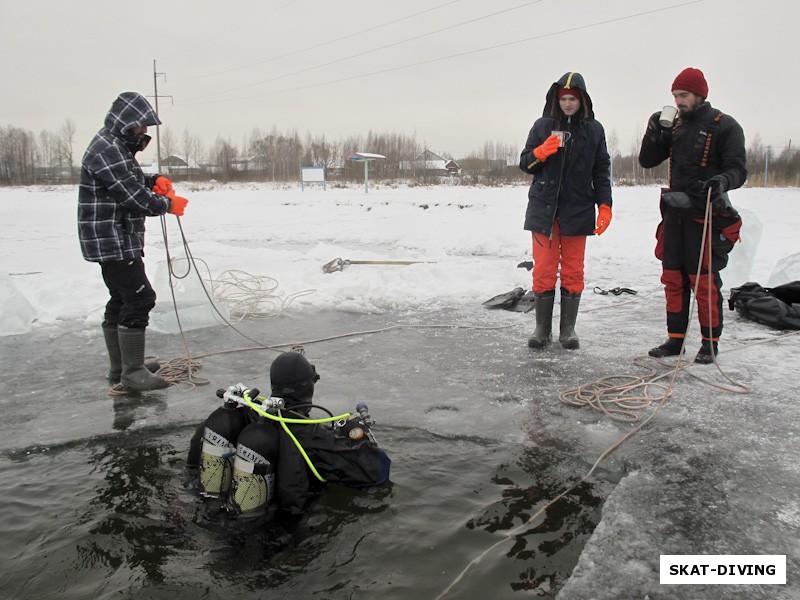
(97, 503)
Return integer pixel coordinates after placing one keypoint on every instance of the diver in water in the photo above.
(264, 454)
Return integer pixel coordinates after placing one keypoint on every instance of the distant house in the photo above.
(173, 165)
(452, 167)
(243, 163)
(237, 163)
(432, 164)
(174, 162)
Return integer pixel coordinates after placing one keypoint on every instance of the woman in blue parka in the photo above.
(567, 156)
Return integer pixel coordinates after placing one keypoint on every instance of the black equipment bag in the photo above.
(777, 307)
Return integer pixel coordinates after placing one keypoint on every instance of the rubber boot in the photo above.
(672, 347)
(135, 376)
(569, 314)
(708, 351)
(115, 357)
(114, 354)
(543, 309)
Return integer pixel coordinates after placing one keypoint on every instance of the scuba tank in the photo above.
(253, 485)
(222, 429)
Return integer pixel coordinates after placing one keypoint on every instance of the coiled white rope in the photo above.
(252, 296)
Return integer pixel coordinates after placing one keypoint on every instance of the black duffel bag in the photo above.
(777, 307)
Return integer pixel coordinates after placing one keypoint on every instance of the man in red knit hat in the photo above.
(707, 158)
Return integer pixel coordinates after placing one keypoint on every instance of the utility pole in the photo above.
(611, 171)
(766, 168)
(158, 127)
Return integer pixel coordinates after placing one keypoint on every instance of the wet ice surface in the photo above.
(471, 417)
(479, 440)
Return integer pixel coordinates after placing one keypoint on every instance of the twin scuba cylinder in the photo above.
(240, 449)
(238, 456)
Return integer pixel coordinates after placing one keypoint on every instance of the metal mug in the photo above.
(667, 118)
(563, 137)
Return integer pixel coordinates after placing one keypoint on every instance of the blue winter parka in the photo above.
(569, 184)
(115, 196)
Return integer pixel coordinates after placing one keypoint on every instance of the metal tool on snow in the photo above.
(337, 264)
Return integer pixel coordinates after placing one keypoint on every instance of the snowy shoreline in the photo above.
(465, 242)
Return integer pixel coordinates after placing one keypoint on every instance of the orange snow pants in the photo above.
(551, 252)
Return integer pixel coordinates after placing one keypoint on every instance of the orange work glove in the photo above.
(162, 186)
(603, 218)
(177, 205)
(549, 147)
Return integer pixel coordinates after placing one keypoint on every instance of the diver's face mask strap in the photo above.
(298, 390)
(300, 393)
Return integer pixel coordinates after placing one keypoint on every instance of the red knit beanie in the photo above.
(573, 91)
(691, 80)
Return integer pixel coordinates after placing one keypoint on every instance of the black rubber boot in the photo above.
(135, 376)
(672, 347)
(543, 309)
(114, 355)
(569, 314)
(111, 337)
(708, 350)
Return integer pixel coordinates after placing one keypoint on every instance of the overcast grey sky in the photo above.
(455, 73)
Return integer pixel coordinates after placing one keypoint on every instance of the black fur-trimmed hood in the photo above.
(568, 80)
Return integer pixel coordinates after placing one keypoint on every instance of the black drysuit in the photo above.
(702, 144)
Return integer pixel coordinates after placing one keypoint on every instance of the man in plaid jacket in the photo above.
(114, 198)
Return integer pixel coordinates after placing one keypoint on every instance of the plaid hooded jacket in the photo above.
(114, 196)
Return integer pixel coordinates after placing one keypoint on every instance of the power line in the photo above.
(379, 48)
(448, 57)
(243, 25)
(321, 44)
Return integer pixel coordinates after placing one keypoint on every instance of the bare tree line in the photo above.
(277, 156)
(26, 159)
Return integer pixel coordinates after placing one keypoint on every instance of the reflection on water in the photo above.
(113, 517)
(132, 527)
(127, 409)
(547, 545)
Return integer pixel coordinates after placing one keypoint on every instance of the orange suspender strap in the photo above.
(704, 160)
